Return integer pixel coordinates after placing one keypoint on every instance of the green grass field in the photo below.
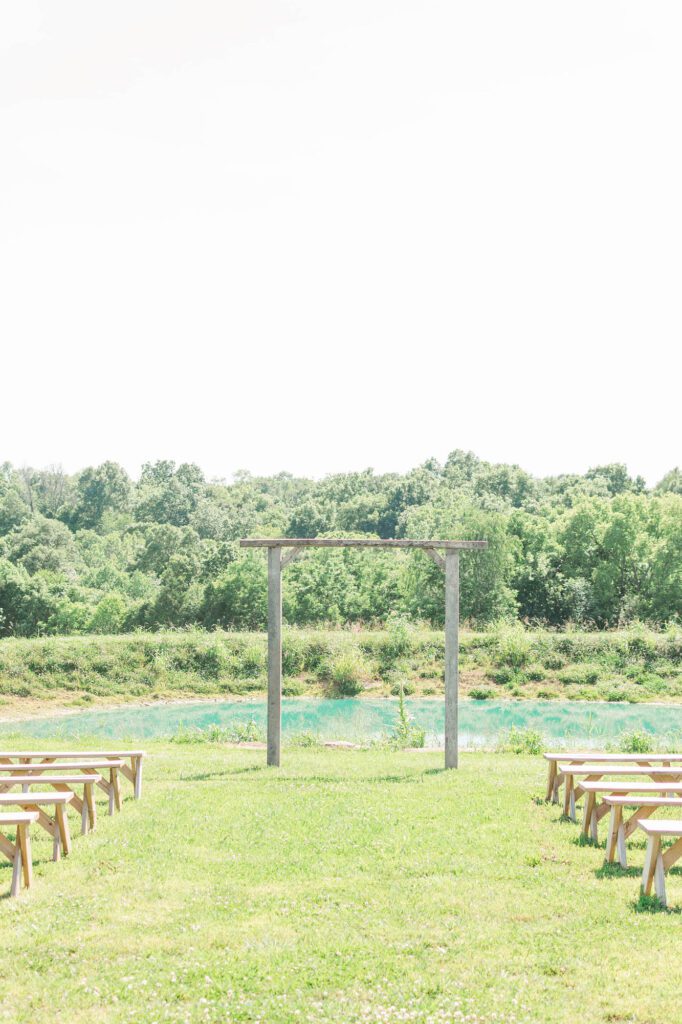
(348, 886)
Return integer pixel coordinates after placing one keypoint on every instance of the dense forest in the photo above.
(100, 553)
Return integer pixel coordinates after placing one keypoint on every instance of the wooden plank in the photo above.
(662, 828)
(15, 887)
(33, 755)
(24, 841)
(342, 542)
(672, 854)
(600, 770)
(551, 780)
(274, 656)
(291, 556)
(435, 557)
(594, 757)
(66, 766)
(451, 657)
(6, 847)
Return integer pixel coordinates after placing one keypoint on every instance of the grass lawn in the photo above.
(366, 886)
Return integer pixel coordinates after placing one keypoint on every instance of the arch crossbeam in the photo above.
(448, 560)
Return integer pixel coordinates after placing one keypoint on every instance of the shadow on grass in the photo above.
(652, 905)
(616, 871)
(583, 840)
(224, 773)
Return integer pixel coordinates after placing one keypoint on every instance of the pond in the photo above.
(481, 722)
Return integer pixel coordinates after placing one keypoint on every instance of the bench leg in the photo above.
(588, 812)
(622, 849)
(56, 844)
(137, 768)
(611, 835)
(659, 880)
(557, 784)
(24, 837)
(594, 824)
(116, 788)
(62, 828)
(652, 851)
(15, 888)
(567, 794)
(89, 800)
(551, 776)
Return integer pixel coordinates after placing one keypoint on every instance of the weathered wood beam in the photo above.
(291, 556)
(451, 658)
(274, 656)
(435, 557)
(342, 542)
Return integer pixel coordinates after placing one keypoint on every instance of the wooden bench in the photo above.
(657, 860)
(620, 829)
(86, 806)
(110, 787)
(132, 772)
(595, 811)
(596, 772)
(19, 851)
(555, 777)
(57, 827)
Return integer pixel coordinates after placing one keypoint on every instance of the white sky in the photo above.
(316, 235)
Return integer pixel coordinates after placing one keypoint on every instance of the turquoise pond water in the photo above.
(590, 724)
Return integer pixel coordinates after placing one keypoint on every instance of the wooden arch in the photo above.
(277, 561)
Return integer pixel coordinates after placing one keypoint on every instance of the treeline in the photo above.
(100, 553)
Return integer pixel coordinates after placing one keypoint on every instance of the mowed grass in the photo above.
(347, 886)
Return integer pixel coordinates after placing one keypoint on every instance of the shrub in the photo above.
(252, 661)
(547, 694)
(636, 742)
(535, 674)
(583, 675)
(502, 676)
(553, 662)
(406, 688)
(479, 693)
(293, 688)
(398, 642)
(405, 733)
(293, 656)
(212, 661)
(520, 741)
(513, 646)
(346, 672)
(304, 739)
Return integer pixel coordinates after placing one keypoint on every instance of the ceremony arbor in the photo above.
(278, 558)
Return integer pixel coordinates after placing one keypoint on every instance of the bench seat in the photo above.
(595, 772)
(19, 851)
(555, 777)
(64, 784)
(57, 826)
(595, 811)
(620, 829)
(110, 765)
(132, 772)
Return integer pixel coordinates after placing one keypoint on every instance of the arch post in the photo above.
(274, 655)
(276, 562)
(451, 658)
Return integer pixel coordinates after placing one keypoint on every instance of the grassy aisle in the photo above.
(346, 887)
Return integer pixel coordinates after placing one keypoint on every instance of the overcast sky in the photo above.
(328, 234)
